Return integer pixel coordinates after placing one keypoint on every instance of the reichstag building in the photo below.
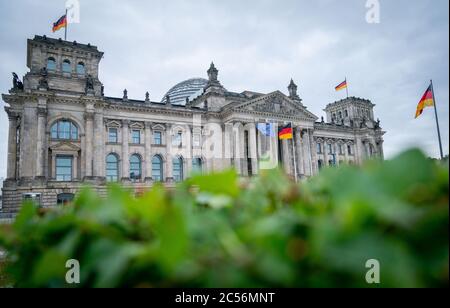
(65, 133)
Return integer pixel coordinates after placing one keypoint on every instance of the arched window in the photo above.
(64, 130)
(66, 67)
(135, 167)
(80, 69)
(112, 168)
(178, 169)
(157, 168)
(51, 64)
(197, 165)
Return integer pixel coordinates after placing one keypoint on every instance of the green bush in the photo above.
(218, 231)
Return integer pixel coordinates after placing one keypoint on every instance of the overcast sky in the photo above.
(258, 45)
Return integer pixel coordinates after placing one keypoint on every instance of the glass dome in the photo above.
(191, 89)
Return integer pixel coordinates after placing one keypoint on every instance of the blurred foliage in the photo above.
(218, 231)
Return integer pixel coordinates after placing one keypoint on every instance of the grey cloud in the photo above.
(258, 45)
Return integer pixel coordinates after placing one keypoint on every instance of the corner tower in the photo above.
(63, 66)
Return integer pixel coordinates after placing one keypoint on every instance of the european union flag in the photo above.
(267, 129)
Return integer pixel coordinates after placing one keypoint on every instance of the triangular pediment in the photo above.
(276, 103)
(65, 147)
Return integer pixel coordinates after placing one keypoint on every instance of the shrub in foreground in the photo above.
(215, 231)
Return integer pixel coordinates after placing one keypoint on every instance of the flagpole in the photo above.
(67, 25)
(437, 122)
(347, 86)
(293, 150)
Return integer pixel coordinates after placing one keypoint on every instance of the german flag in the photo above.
(61, 23)
(426, 101)
(286, 133)
(342, 86)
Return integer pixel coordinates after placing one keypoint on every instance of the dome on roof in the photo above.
(191, 89)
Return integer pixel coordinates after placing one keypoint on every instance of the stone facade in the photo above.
(64, 133)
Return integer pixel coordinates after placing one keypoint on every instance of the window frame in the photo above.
(116, 139)
(175, 162)
(178, 139)
(330, 149)
(199, 168)
(350, 149)
(81, 64)
(319, 148)
(64, 65)
(54, 67)
(61, 133)
(133, 140)
(158, 177)
(139, 177)
(156, 133)
(110, 178)
(58, 168)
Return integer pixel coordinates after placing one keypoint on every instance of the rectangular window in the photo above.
(349, 149)
(178, 139)
(330, 149)
(319, 148)
(136, 136)
(64, 168)
(113, 135)
(157, 138)
(341, 150)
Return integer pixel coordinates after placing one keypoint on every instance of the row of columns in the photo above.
(303, 145)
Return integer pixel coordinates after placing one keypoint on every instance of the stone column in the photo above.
(313, 151)
(41, 142)
(307, 153)
(238, 147)
(148, 152)
(286, 157)
(359, 151)
(367, 149)
(325, 153)
(228, 146)
(53, 175)
(28, 136)
(381, 149)
(99, 148)
(336, 152)
(75, 167)
(89, 118)
(125, 151)
(253, 149)
(11, 172)
(299, 152)
(188, 150)
(169, 158)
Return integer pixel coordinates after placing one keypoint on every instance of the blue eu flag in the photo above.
(267, 129)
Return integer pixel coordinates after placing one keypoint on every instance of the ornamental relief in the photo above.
(276, 105)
